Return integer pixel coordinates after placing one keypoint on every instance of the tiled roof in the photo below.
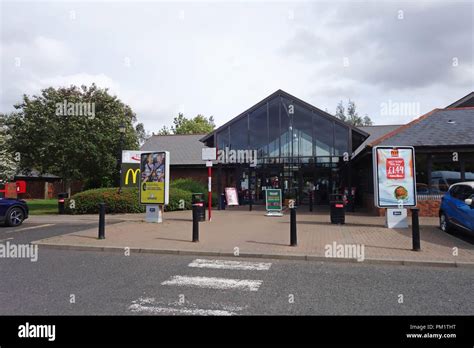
(440, 127)
(375, 133)
(467, 100)
(184, 149)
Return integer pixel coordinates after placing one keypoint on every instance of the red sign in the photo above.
(21, 186)
(395, 168)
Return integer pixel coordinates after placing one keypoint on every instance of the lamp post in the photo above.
(122, 129)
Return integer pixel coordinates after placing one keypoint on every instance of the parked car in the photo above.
(13, 211)
(457, 207)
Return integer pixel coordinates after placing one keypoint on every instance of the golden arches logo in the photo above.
(134, 175)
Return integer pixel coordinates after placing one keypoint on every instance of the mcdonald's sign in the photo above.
(130, 176)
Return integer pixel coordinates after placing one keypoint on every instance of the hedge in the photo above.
(87, 202)
(189, 185)
(194, 187)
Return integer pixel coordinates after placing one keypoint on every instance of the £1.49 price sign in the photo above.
(395, 168)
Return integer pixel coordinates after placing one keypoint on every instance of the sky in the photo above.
(395, 59)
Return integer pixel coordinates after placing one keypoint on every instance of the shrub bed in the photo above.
(87, 202)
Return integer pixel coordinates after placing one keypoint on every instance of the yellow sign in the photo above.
(134, 173)
(153, 193)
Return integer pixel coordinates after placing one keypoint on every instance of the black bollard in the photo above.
(311, 201)
(101, 220)
(415, 227)
(195, 224)
(250, 201)
(293, 226)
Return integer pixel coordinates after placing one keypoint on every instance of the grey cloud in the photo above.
(412, 52)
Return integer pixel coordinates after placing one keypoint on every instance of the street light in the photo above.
(122, 129)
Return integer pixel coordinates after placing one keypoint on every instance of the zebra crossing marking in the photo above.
(149, 306)
(215, 283)
(229, 264)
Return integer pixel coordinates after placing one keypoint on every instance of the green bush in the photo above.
(193, 187)
(189, 185)
(87, 202)
(176, 195)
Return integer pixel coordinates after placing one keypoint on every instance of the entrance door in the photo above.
(306, 180)
(322, 185)
(267, 177)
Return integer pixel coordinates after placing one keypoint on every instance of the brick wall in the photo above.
(428, 207)
(36, 189)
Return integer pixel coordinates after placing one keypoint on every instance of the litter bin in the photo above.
(61, 197)
(337, 208)
(199, 203)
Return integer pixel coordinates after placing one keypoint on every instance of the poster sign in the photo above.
(394, 176)
(231, 196)
(154, 177)
(273, 200)
(209, 153)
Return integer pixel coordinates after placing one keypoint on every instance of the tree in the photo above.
(8, 164)
(367, 121)
(73, 133)
(352, 117)
(182, 125)
(164, 131)
(340, 111)
(142, 134)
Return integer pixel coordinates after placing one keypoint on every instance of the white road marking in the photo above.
(178, 311)
(228, 264)
(30, 228)
(215, 283)
(148, 305)
(2, 240)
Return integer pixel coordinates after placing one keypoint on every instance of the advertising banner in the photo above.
(394, 176)
(154, 178)
(231, 196)
(273, 200)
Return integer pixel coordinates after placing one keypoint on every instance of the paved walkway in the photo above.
(255, 235)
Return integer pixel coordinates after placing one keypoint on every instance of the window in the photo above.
(302, 131)
(461, 192)
(444, 172)
(258, 131)
(323, 131)
(286, 131)
(341, 139)
(239, 134)
(223, 138)
(468, 166)
(421, 174)
(274, 127)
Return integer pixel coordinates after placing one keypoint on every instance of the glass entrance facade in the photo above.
(299, 148)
